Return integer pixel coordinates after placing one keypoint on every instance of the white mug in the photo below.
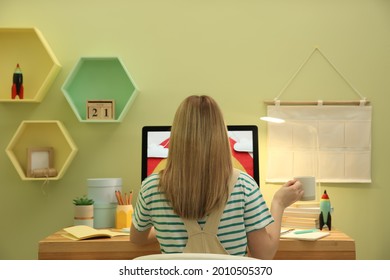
(308, 186)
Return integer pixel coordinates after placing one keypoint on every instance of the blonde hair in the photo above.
(199, 164)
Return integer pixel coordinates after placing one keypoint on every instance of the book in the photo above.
(311, 221)
(300, 225)
(308, 235)
(312, 212)
(303, 210)
(285, 230)
(305, 204)
(300, 222)
(82, 232)
(301, 215)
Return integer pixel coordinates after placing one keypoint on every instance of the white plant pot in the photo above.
(83, 215)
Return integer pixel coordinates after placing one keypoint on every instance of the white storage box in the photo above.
(102, 190)
(104, 215)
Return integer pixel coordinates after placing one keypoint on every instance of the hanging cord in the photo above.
(316, 49)
(45, 183)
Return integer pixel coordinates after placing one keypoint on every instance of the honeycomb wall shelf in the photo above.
(36, 134)
(99, 78)
(28, 48)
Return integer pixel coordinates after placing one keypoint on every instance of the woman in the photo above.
(195, 182)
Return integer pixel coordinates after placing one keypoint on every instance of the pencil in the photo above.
(117, 197)
(121, 197)
(126, 199)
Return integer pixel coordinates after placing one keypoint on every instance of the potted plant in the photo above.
(83, 211)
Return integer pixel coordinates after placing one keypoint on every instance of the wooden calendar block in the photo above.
(100, 109)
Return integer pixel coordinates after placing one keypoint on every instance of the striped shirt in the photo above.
(244, 212)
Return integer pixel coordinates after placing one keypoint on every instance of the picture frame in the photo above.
(39, 158)
(100, 109)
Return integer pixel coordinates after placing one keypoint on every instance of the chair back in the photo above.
(192, 256)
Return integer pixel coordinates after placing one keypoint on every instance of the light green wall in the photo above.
(239, 52)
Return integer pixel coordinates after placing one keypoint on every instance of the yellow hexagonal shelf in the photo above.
(99, 79)
(38, 64)
(41, 134)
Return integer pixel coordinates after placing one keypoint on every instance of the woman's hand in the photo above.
(289, 193)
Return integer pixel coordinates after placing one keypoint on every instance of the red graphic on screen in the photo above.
(154, 162)
(242, 160)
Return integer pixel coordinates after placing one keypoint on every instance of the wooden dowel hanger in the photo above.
(318, 102)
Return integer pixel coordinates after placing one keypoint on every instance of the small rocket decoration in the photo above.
(325, 218)
(17, 85)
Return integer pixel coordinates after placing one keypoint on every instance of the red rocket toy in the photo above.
(325, 209)
(17, 85)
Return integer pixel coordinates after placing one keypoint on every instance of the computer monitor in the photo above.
(243, 141)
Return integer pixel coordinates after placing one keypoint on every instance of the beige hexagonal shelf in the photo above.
(39, 66)
(100, 79)
(36, 135)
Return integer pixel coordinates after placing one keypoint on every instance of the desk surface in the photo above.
(336, 246)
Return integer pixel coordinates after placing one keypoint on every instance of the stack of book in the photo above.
(302, 215)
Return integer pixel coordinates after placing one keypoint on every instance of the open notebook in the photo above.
(81, 232)
(309, 235)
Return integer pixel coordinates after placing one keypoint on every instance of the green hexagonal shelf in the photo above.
(99, 78)
(37, 134)
(28, 48)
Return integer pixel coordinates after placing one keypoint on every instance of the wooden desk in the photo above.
(336, 246)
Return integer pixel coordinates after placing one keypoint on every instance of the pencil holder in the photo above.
(124, 214)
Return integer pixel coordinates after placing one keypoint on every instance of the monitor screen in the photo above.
(243, 142)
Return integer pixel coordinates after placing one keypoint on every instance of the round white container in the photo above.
(102, 190)
(104, 215)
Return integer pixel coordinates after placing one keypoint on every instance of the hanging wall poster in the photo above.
(332, 143)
